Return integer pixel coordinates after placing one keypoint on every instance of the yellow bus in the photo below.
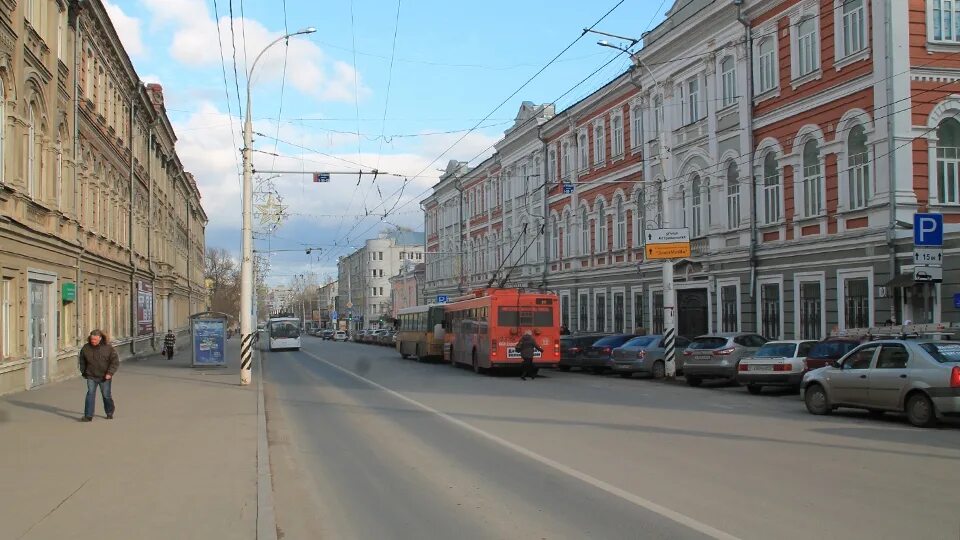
(416, 332)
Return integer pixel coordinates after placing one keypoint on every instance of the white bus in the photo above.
(284, 333)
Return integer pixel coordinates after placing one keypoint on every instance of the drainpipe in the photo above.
(134, 319)
(748, 38)
(547, 229)
(74, 16)
(892, 159)
(463, 230)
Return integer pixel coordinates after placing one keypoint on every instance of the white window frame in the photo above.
(807, 43)
(732, 198)
(555, 241)
(812, 206)
(620, 233)
(799, 279)
(657, 116)
(565, 159)
(583, 299)
(584, 219)
(636, 125)
(692, 104)
(952, 162)
(616, 133)
(843, 56)
(773, 192)
(763, 63)
(597, 293)
(854, 273)
(697, 193)
(768, 280)
(601, 227)
(583, 150)
(848, 174)
(551, 165)
(567, 235)
(728, 82)
(569, 323)
(599, 144)
(728, 282)
(931, 36)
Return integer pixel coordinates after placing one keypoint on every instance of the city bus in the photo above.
(483, 328)
(416, 332)
(283, 333)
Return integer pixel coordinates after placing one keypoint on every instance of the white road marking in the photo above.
(682, 519)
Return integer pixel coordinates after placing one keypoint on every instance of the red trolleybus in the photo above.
(483, 327)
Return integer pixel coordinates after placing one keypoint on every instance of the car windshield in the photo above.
(943, 352)
(644, 341)
(284, 330)
(773, 350)
(708, 343)
(831, 350)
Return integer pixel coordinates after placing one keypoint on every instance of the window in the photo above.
(32, 188)
(729, 309)
(525, 178)
(766, 61)
(636, 133)
(566, 159)
(601, 312)
(853, 28)
(770, 310)
(599, 145)
(771, 189)
(812, 180)
(7, 320)
(858, 168)
(552, 166)
(946, 20)
(856, 303)
(697, 196)
(948, 162)
(582, 147)
(892, 356)
(567, 235)
(657, 115)
(582, 310)
(618, 312)
(403, 255)
(617, 135)
(621, 233)
(733, 196)
(811, 304)
(601, 228)
(657, 312)
(692, 104)
(584, 232)
(637, 310)
(861, 358)
(555, 240)
(807, 47)
(3, 122)
(728, 82)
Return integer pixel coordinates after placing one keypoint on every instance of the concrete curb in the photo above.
(266, 518)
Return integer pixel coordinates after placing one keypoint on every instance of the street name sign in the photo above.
(677, 250)
(567, 188)
(321, 177)
(668, 236)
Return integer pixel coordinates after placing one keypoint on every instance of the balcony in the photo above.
(699, 247)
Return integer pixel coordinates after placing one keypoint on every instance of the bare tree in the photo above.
(222, 275)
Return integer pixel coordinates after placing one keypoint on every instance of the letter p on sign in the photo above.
(928, 229)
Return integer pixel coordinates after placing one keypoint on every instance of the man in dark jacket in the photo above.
(526, 347)
(98, 364)
(169, 343)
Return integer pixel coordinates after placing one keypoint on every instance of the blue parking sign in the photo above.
(442, 299)
(956, 300)
(928, 229)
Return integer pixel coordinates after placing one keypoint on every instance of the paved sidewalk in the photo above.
(178, 461)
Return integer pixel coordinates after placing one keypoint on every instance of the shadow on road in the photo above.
(71, 415)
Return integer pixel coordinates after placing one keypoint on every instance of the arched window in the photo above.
(32, 188)
(555, 240)
(697, 210)
(858, 168)
(771, 188)
(733, 196)
(601, 228)
(584, 232)
(621, 235)
(567, 235)
(948, 161)
(812, 179)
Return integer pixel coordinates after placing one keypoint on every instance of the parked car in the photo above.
(918, 377)
(327, 334)
(572, 349)
(716, 356)
(596, 356)
(385, 337)
(357, 337)
(646, 355)
(830, 351)
(777, 363)
(340, 335)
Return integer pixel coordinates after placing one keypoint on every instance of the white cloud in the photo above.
(195, 43)
(127, 27)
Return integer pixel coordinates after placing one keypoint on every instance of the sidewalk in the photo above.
(178, 461)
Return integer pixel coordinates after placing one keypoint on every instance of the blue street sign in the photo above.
(321, 177)
(333, 315)
(928, 229)
(568, 188)
(442, 299)
(956, 300)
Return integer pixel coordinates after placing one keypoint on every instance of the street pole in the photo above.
(246, 261)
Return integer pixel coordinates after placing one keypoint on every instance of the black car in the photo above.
(595, 355)
(572, 349)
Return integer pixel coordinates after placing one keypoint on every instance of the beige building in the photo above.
(100, 226)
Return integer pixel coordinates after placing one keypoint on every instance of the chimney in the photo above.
(155, 91)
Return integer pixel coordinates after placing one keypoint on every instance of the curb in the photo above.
(266, 518)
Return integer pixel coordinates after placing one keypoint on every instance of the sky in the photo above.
(421, 81)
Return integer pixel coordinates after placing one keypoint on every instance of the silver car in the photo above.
(646, 355)
(716, 356)
(919, 377)
(777, 363)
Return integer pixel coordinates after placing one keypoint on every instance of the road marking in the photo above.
(682, 519)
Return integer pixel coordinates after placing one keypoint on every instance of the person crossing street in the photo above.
(98, 364)
(526, 347)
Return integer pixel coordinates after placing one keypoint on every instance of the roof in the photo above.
(409, 238)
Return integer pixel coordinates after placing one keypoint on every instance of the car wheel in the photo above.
(659, 369)
(563, 367)
(816, 400)
(754, 389)
(694, 381)
(920, 411)
(627, 375)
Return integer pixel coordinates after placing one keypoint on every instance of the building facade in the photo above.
(327, 304)
(794, 139)
(406, 287)
(100, 226)
(364, 276)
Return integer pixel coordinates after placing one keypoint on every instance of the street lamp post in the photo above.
(246, 262)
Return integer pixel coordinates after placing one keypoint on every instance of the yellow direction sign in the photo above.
(676, 250)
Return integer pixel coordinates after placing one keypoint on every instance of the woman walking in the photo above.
(98, 364)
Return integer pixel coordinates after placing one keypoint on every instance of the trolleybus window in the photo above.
(534, 316)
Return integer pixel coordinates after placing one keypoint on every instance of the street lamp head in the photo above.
(307, 30)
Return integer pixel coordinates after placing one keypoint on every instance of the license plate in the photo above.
(761, 368)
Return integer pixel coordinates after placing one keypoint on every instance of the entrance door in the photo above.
(692, 313)
(37, 332)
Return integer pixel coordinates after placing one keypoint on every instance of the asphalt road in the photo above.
(366, 445)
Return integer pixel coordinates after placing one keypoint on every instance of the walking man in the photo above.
(526, 347)
(169, 342)
(98, 364)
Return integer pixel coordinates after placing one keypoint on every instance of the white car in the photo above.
(776, 363)
(340, 335)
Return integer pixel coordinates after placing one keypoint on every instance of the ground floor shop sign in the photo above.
(208, 335)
